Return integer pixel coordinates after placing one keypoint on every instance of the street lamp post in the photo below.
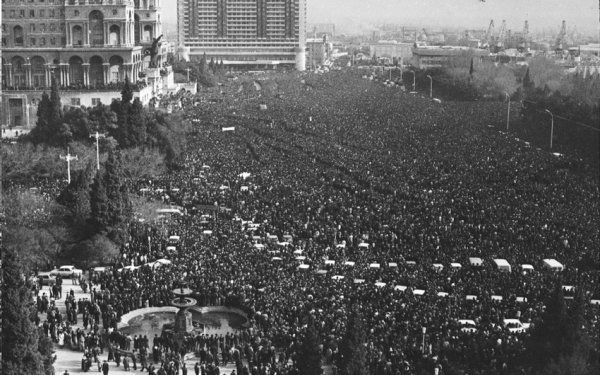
(414, 80)
(188, 73)
(508, 110)
(551, 127)
(97, 136)
(430, 86)
(68, 159)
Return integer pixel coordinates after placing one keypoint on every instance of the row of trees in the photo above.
(26, 350)
(204, 72)
(126, 123)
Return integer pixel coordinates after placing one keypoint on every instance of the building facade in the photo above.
(82, 44)
(391, 50)
(244, 33)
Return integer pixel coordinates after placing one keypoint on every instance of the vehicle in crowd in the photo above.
(467, 325)
(515, 325)
(46, 278)
(66, 272)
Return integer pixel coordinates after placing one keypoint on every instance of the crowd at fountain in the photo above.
(379, 191)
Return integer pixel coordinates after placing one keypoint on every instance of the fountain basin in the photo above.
(210, 320)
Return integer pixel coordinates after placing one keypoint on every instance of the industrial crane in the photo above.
(487, 39)
(523, 45)
(560, 38)
(499, 44)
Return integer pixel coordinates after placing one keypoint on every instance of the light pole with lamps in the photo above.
(508, 111)
(97, 136)
(430, 86)
(68, 159)
(551, 126)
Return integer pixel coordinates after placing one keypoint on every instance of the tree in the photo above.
(309, 356)
(471, 70)
(527, 81)
(49, 128)
(76, 196)
(20, 351)
(41, 131)
(137, 124)
(560, 344)
(100, 216)
(127, 93)
(353, 360)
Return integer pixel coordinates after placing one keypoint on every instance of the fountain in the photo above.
(183, 318)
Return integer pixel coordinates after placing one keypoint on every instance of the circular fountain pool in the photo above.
(214, 320)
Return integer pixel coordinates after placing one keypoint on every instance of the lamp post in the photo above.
(97, 136)
(551, 126)
(68, 159)
(508, 110)
(188, 73)
(414, 80)
(430, 86)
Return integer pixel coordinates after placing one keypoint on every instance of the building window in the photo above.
(75, 101)
(96, 101)
(76, 13)
(31, 13)
(18, 35)
(32, 41)
(115, 12)
(42, 13)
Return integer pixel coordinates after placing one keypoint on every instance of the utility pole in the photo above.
(188, 73)
(508, 110)
(68, 159)
(97, 136)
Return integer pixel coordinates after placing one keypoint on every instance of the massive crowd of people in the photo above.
(332, 192)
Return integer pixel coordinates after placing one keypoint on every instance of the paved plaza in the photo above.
(70, 360)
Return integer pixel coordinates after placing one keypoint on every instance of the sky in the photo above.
(541, 14)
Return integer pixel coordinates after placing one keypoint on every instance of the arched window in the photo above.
(77, 35)
(18, 66)
(18, 35)
(38, 71)
(115, 35)
(147, 32)
(76, 70)
(96, 71)
(96, 28)
(116, 67)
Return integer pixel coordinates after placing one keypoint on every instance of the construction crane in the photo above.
(523, 45)
(560, 38)
(499, 44)
(487, 39)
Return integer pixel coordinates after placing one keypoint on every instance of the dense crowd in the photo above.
(380, 192)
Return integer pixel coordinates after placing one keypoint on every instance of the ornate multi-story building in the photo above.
(84, 44)
(244, 33)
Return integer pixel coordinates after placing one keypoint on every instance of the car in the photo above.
(45, 278)
(66, 271)
(467, 325)
(515, 325)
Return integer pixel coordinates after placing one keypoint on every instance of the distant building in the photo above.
(318, 52)
(438, 57)
(319, 30)
(245, 34)
(86, 45)
(592, 49)
(391, 49)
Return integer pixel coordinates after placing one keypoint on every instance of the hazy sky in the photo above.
(541, 14)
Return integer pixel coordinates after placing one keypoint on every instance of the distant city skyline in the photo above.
(541, 14)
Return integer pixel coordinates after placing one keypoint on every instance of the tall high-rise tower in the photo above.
(244, 33)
